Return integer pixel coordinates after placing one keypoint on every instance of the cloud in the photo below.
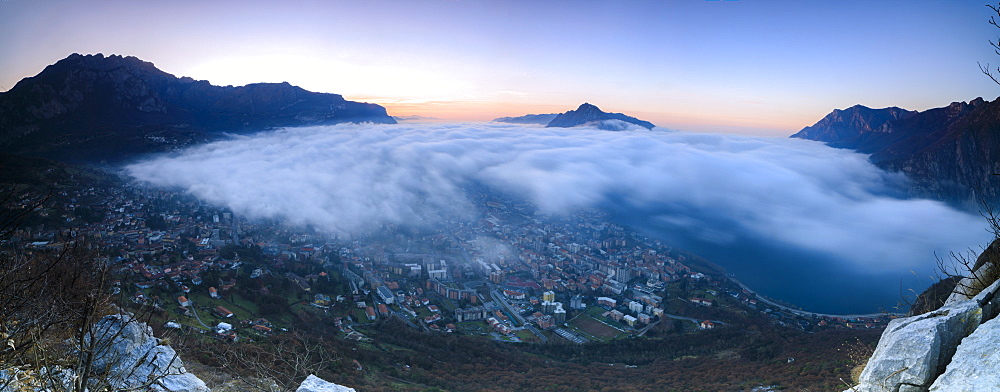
(723, 190)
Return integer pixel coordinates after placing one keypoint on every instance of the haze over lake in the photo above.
(817, 227)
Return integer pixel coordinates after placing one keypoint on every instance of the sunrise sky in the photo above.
(744, 66)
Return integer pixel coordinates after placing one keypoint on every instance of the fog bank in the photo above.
(720, 191)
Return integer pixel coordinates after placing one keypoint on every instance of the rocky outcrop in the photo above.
(588, 114)
(841, 126)
(914, 350)
(316, 384)
(950, 153)
(976, 364)
(118, 354)
(915, 353)
(87, 108)
(128, 357)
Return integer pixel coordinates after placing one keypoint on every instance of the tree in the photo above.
(995, 44)
(278, 363)
(51, 301)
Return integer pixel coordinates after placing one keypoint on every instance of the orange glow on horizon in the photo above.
(480, 111)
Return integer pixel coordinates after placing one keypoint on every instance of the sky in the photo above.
(820, 227)
(745, 66)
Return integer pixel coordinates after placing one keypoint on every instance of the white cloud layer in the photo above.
(796, 193)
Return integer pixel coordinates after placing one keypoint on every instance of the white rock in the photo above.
(976, 364)
(129, 357)
(964, 289)
(316, 384)
(913, 351)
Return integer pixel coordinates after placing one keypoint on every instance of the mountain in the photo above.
(92, 108)
(949, 153)
(589, 114)
(842, 126)
(528, 119)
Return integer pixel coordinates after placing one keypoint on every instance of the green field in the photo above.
(527, 336)
(595, 328)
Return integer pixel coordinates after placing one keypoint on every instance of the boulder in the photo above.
(316, 384)
(128, 357)
(976, 364)
(913, 351)
(951, 349)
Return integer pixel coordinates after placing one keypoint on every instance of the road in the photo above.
(497, 297)
(196, 316)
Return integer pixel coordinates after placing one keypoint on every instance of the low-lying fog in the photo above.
(815, 226)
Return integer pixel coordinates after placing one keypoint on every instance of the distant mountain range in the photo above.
(92, 108)
(528, 119)
(950, 153)
(585, 115)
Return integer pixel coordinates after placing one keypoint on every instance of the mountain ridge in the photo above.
(87, 108)
(528, 119)
(949, 153)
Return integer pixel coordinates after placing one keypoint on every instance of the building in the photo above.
(513, 294)
(212, 292)
(183, 301)
(438, 271)
(706, 325)
(577, 303)
(607, 302)
(370, 312)
(469, 314)
(549, 296)
(559, 313)
(447, 291)
(321, 300)
(629, 320)
(635, 307)
(498, 277)
(386, 295)
(222, 312)
(545, 322)
(701, 301)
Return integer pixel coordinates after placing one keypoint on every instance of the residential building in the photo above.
(549, 296)
(386, 295)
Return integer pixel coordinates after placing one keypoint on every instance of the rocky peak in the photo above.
(843, 125)
(588, 114)
(949, 153)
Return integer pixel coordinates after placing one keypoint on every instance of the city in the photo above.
(512, 275)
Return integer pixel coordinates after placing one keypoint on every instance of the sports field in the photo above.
(595, 328)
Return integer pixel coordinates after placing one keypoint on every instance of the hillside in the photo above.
(949, 153)
(92, 108)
